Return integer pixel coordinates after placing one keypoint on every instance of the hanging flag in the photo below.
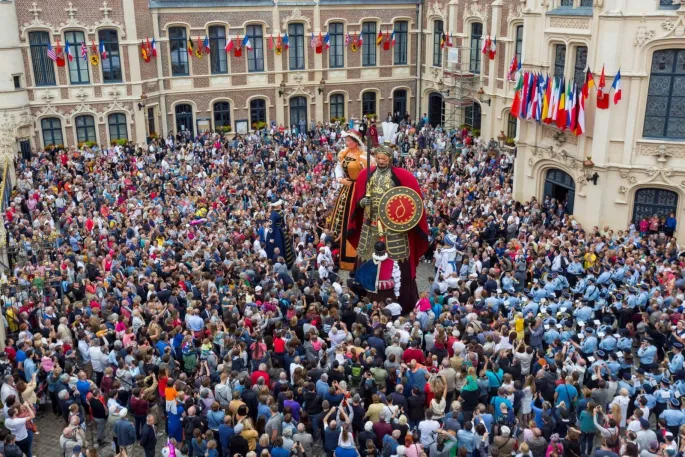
(271, 42)
(617, 87)
(191, 48)
(524, 96)
(360, 40)
(386, 41)
(327, 41)
(247, 44)
(561, 106)
(492, 52)
(516, 104)
(198, 50)
(392, 38)
(52, 55)
(580, 124)
(286, 41)
(67, 52)
(84, 51)
(60, 55)
(513, 68)
(143, 51)
(354, 44)
(279, 45)
(588, 84)
(229, 45)
(103, 50)
(486, 46)
(206, 46)
(443, 40)
(94, 55)
(238, 50)
(153, 47)
(546, 101)
(348, 39)
(572, 100)
(602, 93)
(379, 38)
(312, 42)
(319, 44)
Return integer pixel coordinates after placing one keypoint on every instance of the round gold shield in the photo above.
(401, 208)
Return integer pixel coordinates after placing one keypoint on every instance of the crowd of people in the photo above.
(142, 305)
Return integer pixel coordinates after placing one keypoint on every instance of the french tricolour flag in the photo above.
(617, 87)
(246, 43)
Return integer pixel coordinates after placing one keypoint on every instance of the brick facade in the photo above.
(152, 84)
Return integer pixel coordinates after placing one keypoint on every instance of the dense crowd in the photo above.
(142, 305)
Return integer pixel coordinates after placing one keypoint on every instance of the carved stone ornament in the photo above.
(663, 151)
(118, 106)
(644, 34)
(558, 136)
(624, 173)
(530, 161)
(436, 10)
(622, 190)
(682, 185)
(515, 13)
(569, 23)
(476, 10)
(598, 3)
(632, 180)
(296, 16)
(36, 22)
(668, 25)
(72, 22)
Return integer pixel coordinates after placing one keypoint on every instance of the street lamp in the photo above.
(322, 83)
(281, 91)
(588, 166)
(481, 97)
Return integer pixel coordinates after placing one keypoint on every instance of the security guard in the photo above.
(675, 362)
(591, 292)
(663, 395)
(673, 416)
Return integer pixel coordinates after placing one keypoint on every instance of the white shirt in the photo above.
(394, 308)
(427, 428)
(17, 427)
(6, 391)
(97, 359)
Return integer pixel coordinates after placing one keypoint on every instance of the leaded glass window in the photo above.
(586, 3)
(559, 60)
(665, 110)
(580, 65)
(649, 202)
(475, 49)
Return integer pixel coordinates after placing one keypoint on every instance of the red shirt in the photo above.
(279, 345)
(260, 374)
(413, 354)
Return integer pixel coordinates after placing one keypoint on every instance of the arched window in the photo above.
(257, 112)
(336, 54)
(222, 114)
(337, 106)
(78, 68)
(52, 131)
(368, 103)
(296, 52)
(85, 129)
(298, 113)
(580, 65)
(178, 48)
(369, 44)
(560, 186)
(437, 43)
(184, 118)
(117, 127)
(649, 202)
(472, 116)
(401, 33)
(111, 66)
(399, 102)
(475, 49)
(43, 68)
(511, 126)
(217, 43)
(255, 57)
(665, 110)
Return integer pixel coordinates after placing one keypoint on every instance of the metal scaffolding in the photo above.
(459, 86)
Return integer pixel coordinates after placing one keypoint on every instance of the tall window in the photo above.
(296, 52)
(257, 111)
(255, 57)
(399, 102)
(52, 131)
(85, 129)
(437, 49)
(566, 3)
(472, 116)
(222, 114)
(511, 126)
(476, 35)
(43, 69)
(519, 43)
(665, 111)
(117, 127)
(178, 47)
(337, 106)
(111, 66)
(369, 45)
(401, 30)
(78, 68)
(336, 56)
(151, 121)
(368, 103)
(217, 43)
(580, 65)
(559, 60)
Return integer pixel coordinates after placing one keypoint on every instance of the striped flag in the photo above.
(84, 51)
(67, 52)
(312, 43)
(52, 55)
(348, 39)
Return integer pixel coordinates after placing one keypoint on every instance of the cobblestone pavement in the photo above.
(46, 443)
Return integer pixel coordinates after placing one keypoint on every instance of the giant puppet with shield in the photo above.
(388, 228)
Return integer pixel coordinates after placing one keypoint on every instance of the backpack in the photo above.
(387, 449)
(189, 362)
(356, 374)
